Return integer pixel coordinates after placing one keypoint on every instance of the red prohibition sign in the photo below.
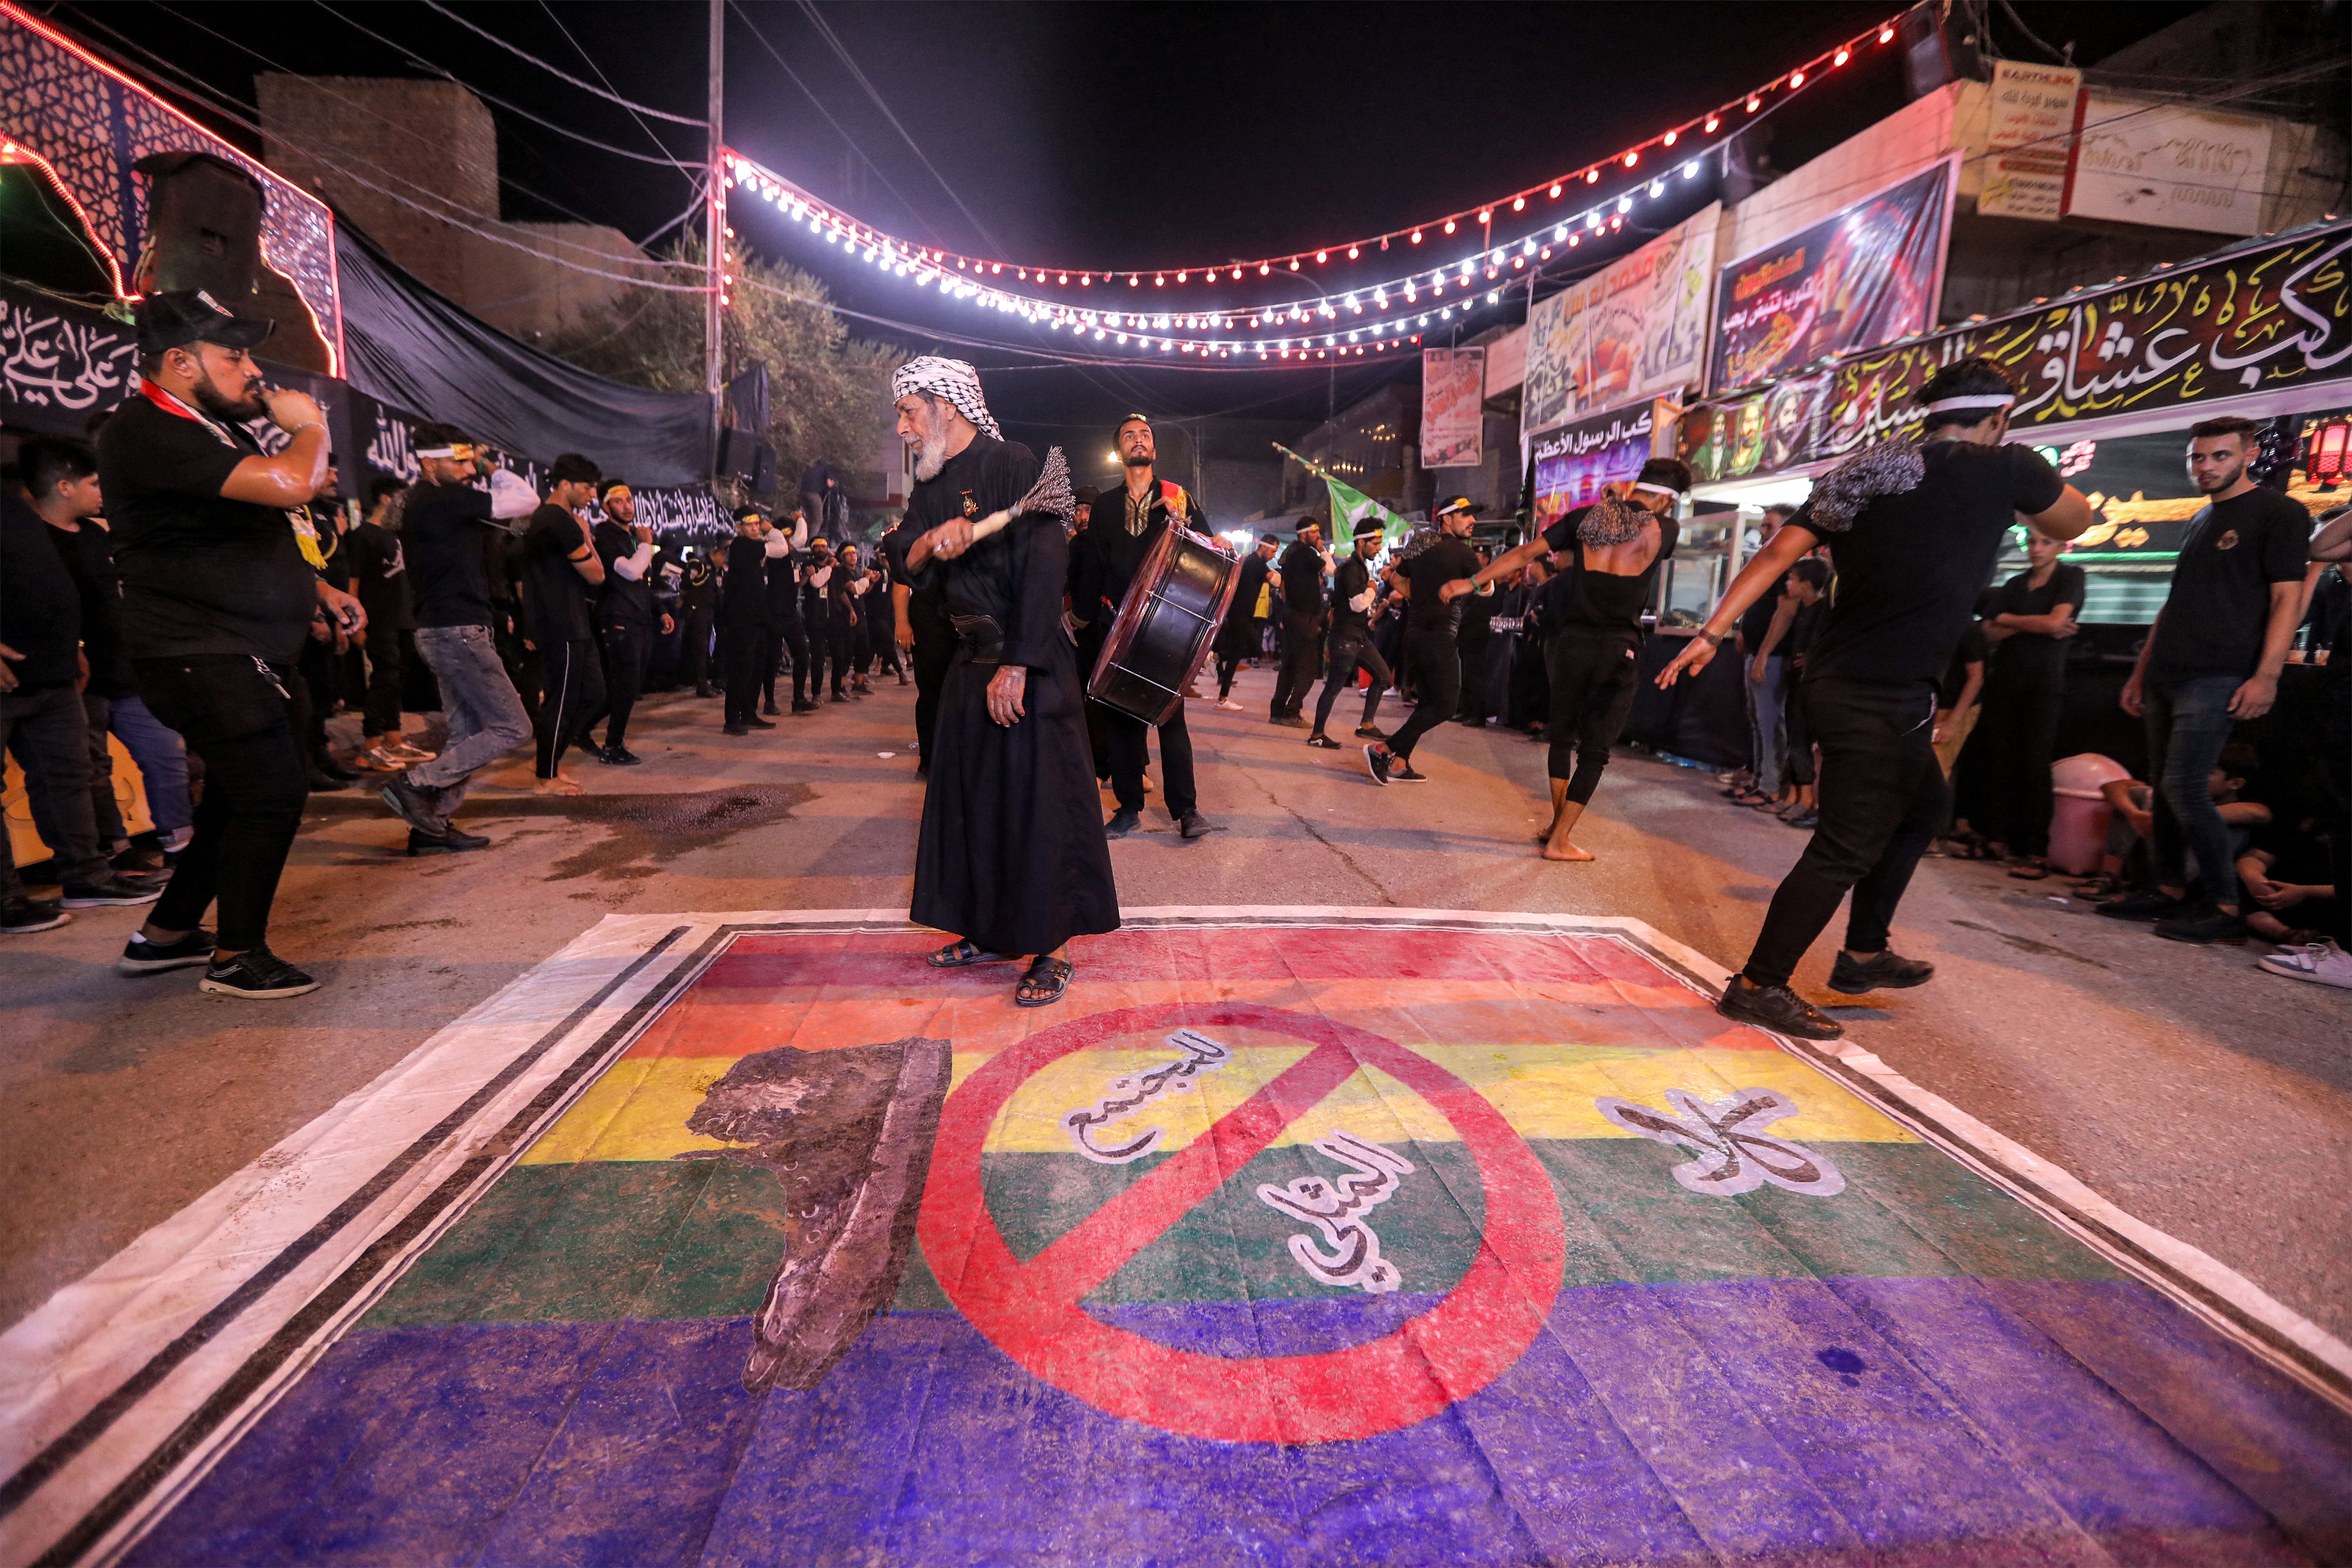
(1030, 1310)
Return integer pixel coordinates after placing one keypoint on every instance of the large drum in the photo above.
(1165, 625)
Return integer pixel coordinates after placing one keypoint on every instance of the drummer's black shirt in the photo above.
(1113, 555)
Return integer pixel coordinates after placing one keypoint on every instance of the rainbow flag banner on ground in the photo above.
(1281, 1241)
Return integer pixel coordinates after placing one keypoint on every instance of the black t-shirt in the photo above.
(442, 529)
(1428, 572)
(379, 569)
(1302, 579)
(1956, 676)
(1910, 568)
(557, 594)
(927, 606)
(2213, 619)
(41, 613)
(200, 574)
(622, 603)
(1353, 577)
(2035, 658)
(1612, 601)
(88, 554)
(1758, 620)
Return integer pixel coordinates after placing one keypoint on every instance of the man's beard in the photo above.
(1138, 459)
(930, 444)
(2215, 485)
(235, 410)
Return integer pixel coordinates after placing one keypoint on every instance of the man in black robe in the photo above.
(1133, 518)
(1011, 858)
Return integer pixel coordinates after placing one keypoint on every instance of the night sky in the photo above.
(1099, 135)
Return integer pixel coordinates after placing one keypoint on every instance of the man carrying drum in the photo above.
(1125, 527)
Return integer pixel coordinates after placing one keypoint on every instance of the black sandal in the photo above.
(963, 953)
(1056, 972)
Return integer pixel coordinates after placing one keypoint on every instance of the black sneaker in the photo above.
(1378, 760)
(22, 916)
(139, 860)
(141, 956)
(1883, 971)
(705, 691)
(1288, 722)
(2148, 905)
(804, 707)
(110, 890)
(449, 841)
(1369, 732)
(317, 783)
(326, 763)
(756, 722)
(2203, 926)
(1121, 824)
(1778, 1008)
(736, 727)
(622, 757)
(1401, 772)
(1192, 825)
(1322, 742)
(412, 804)
(769, 707)
(259, 975)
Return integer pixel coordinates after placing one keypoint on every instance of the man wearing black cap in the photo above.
(216, 601)
(1433, 625)
(1353, 594)
(1132, 521)
(1301, 571)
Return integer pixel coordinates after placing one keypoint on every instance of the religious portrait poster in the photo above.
(1863, 276)
(1453, 408)
(1637, 326)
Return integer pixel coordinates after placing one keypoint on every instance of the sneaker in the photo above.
(1121, 824)
(1778, 1008)
(1322, 742)
(1289, 721)
(1884, 971)
(1229, 705)
(22, 916)
(449, 841)
(1369, 732)
(257, 974)
(138, 860)
(768, 708)
(2322, 962)
(618, 757)
(1378, 762)
(2148, 906)
(758, 724)
(319, 783)
(2203, 926)
(1192, 825)
(110, 890)
(412, 756)
(325, 763)
(141, 956)
(736, 727)
(804, 707)
(413, 803)
(1401, 772)
(1804, 819)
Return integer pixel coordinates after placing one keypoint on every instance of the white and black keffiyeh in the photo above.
(1891, 468)
(951, 379)
(1611, 522)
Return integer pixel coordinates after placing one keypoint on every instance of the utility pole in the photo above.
(715, 229)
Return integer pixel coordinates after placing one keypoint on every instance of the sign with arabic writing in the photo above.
(1453, 408)
(2030, 139)
(2264, 320)
(2142, 160)
(59, 364)
(1575, 462)
(1637, 326)
(1862, 277)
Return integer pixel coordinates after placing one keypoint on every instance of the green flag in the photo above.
(1348, 507)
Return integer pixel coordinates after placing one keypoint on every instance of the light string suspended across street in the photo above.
(1697, 134)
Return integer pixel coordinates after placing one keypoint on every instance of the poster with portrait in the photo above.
(1453, 408)
(1637, 326)
(1864, 275)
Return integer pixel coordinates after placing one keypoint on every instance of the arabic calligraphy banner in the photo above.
(1637, 326)
(2266, 319)
(1574, 462)
(1862, 277)
(59, 364)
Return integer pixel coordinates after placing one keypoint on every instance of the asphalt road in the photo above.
(2208, 1099)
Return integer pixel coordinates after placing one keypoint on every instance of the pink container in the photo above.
(2079, 812)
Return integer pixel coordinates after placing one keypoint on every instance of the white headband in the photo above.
(1659, 489)
(437, 452)
(1977, 400)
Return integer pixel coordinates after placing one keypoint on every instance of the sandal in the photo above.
(2029, 870)
(963, 953)
(2099, 887)
(1043, 987)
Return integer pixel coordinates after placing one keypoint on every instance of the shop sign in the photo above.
(2141, 161)
(2028, 140)
(1637, 326)
(1453, 408)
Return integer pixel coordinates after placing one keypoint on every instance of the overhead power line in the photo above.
(629, 104)
(582, 51)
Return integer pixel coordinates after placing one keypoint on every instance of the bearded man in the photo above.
(1011, 858)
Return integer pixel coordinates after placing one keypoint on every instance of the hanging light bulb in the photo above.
(1591, 176)
(1237, 274)
(1841, 57)
(1555, 190)
(1449, 225)
(1161, 281)
(1796, 78)
(1670, 136)
(1416, 236)
(1657, 187)
(1631, 159)
(1485, 215)
(1180, 277)
(1134, 281)
(1264, 267)
(1885, 35)
(1754, 103)
(1690, 170)
(1353, 253)
(1518, 203)
(1294, 264)
(1322, 257)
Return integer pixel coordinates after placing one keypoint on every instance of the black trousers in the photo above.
(1302, 650)
(1882, 799)
(818, 634)
(571, 699)
(1129, 740)
(625, 651)
(698, 623)
(380, 711)
(2020, 727)
(1477, 651)
(47, 732)
(787, 641)
(1228, 664)
(843, 646)
(1351, 652)
(1090, 645)
(1594, 675)
(240, 721)
(1436, 665)
(1797, 734)
(744, 646)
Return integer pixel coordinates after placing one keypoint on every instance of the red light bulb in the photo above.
(1631, 159)
(1796, 78)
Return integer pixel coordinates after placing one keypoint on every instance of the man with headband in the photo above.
(1914, 527)
(627, 618)
(445, 519)
(1609, 553)
(1432, 655)
(1133, 518)
(1011, 858)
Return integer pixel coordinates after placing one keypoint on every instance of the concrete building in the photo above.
(415, 165)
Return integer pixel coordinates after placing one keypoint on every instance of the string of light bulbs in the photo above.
(1691, 133)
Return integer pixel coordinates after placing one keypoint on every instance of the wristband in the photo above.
(1713, 640)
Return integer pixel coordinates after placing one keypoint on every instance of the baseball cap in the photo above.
(179, 317)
